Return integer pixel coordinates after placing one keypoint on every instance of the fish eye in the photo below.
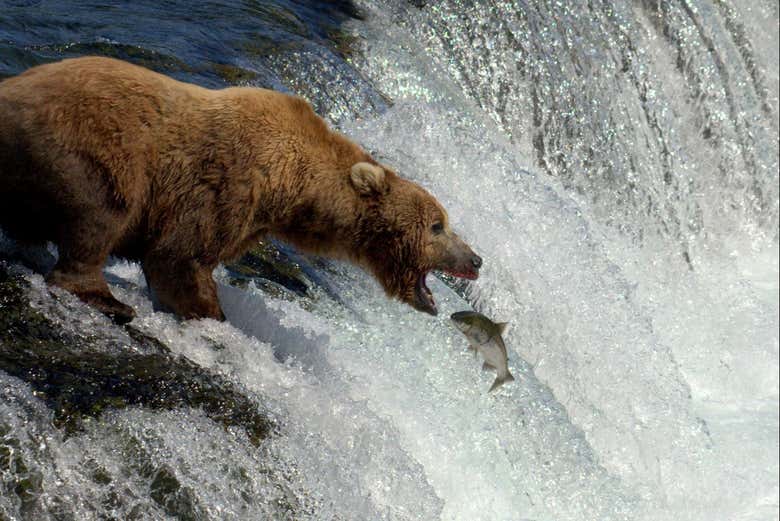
(437, 228)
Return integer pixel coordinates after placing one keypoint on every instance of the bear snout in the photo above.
(463, 262)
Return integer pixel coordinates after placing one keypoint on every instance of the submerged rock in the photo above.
(280, 272)
(78, 374)
(233, 74)
(272, 269)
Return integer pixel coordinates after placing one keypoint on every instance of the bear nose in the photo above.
(476, 261)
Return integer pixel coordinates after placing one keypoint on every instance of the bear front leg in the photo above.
(88, 284)
(184, 287)
(85, 238)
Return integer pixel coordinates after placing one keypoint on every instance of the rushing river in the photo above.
(615, 164)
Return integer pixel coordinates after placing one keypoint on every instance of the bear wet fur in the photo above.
(104, 157)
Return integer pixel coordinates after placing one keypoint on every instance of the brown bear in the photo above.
(104, 157)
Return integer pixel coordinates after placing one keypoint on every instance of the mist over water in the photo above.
(615, 164)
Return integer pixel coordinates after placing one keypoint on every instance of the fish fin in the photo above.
(501, 380)
(502, 327)
(487, 367)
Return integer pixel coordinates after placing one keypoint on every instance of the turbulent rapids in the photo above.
(614, 164)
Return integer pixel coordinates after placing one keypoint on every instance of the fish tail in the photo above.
(501, 380)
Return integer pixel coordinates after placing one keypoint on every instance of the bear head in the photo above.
(403, 233)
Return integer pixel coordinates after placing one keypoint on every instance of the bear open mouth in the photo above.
(470, 274)
(424, 296)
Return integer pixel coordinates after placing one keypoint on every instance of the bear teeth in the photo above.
(425, 296)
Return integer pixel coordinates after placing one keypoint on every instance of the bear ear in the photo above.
(368, 179)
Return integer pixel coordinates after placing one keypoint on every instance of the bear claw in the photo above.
(119, 313)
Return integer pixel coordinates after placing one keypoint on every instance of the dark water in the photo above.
(188, 40)
(271, 44)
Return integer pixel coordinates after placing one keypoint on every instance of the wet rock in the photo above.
(80, 375)
(234, 75)
(279, 271)
(17, 479)
(349, 8)
(272, 269)
(344, 43)
(176, 500)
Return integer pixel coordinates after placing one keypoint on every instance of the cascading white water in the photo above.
(564, 142)
(655, 362)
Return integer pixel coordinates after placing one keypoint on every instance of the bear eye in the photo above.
(437, 228)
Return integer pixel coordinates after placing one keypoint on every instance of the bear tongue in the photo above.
(424, 296)
(470, 274)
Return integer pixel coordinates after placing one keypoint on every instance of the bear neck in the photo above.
(307, 199)
(319, 213)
